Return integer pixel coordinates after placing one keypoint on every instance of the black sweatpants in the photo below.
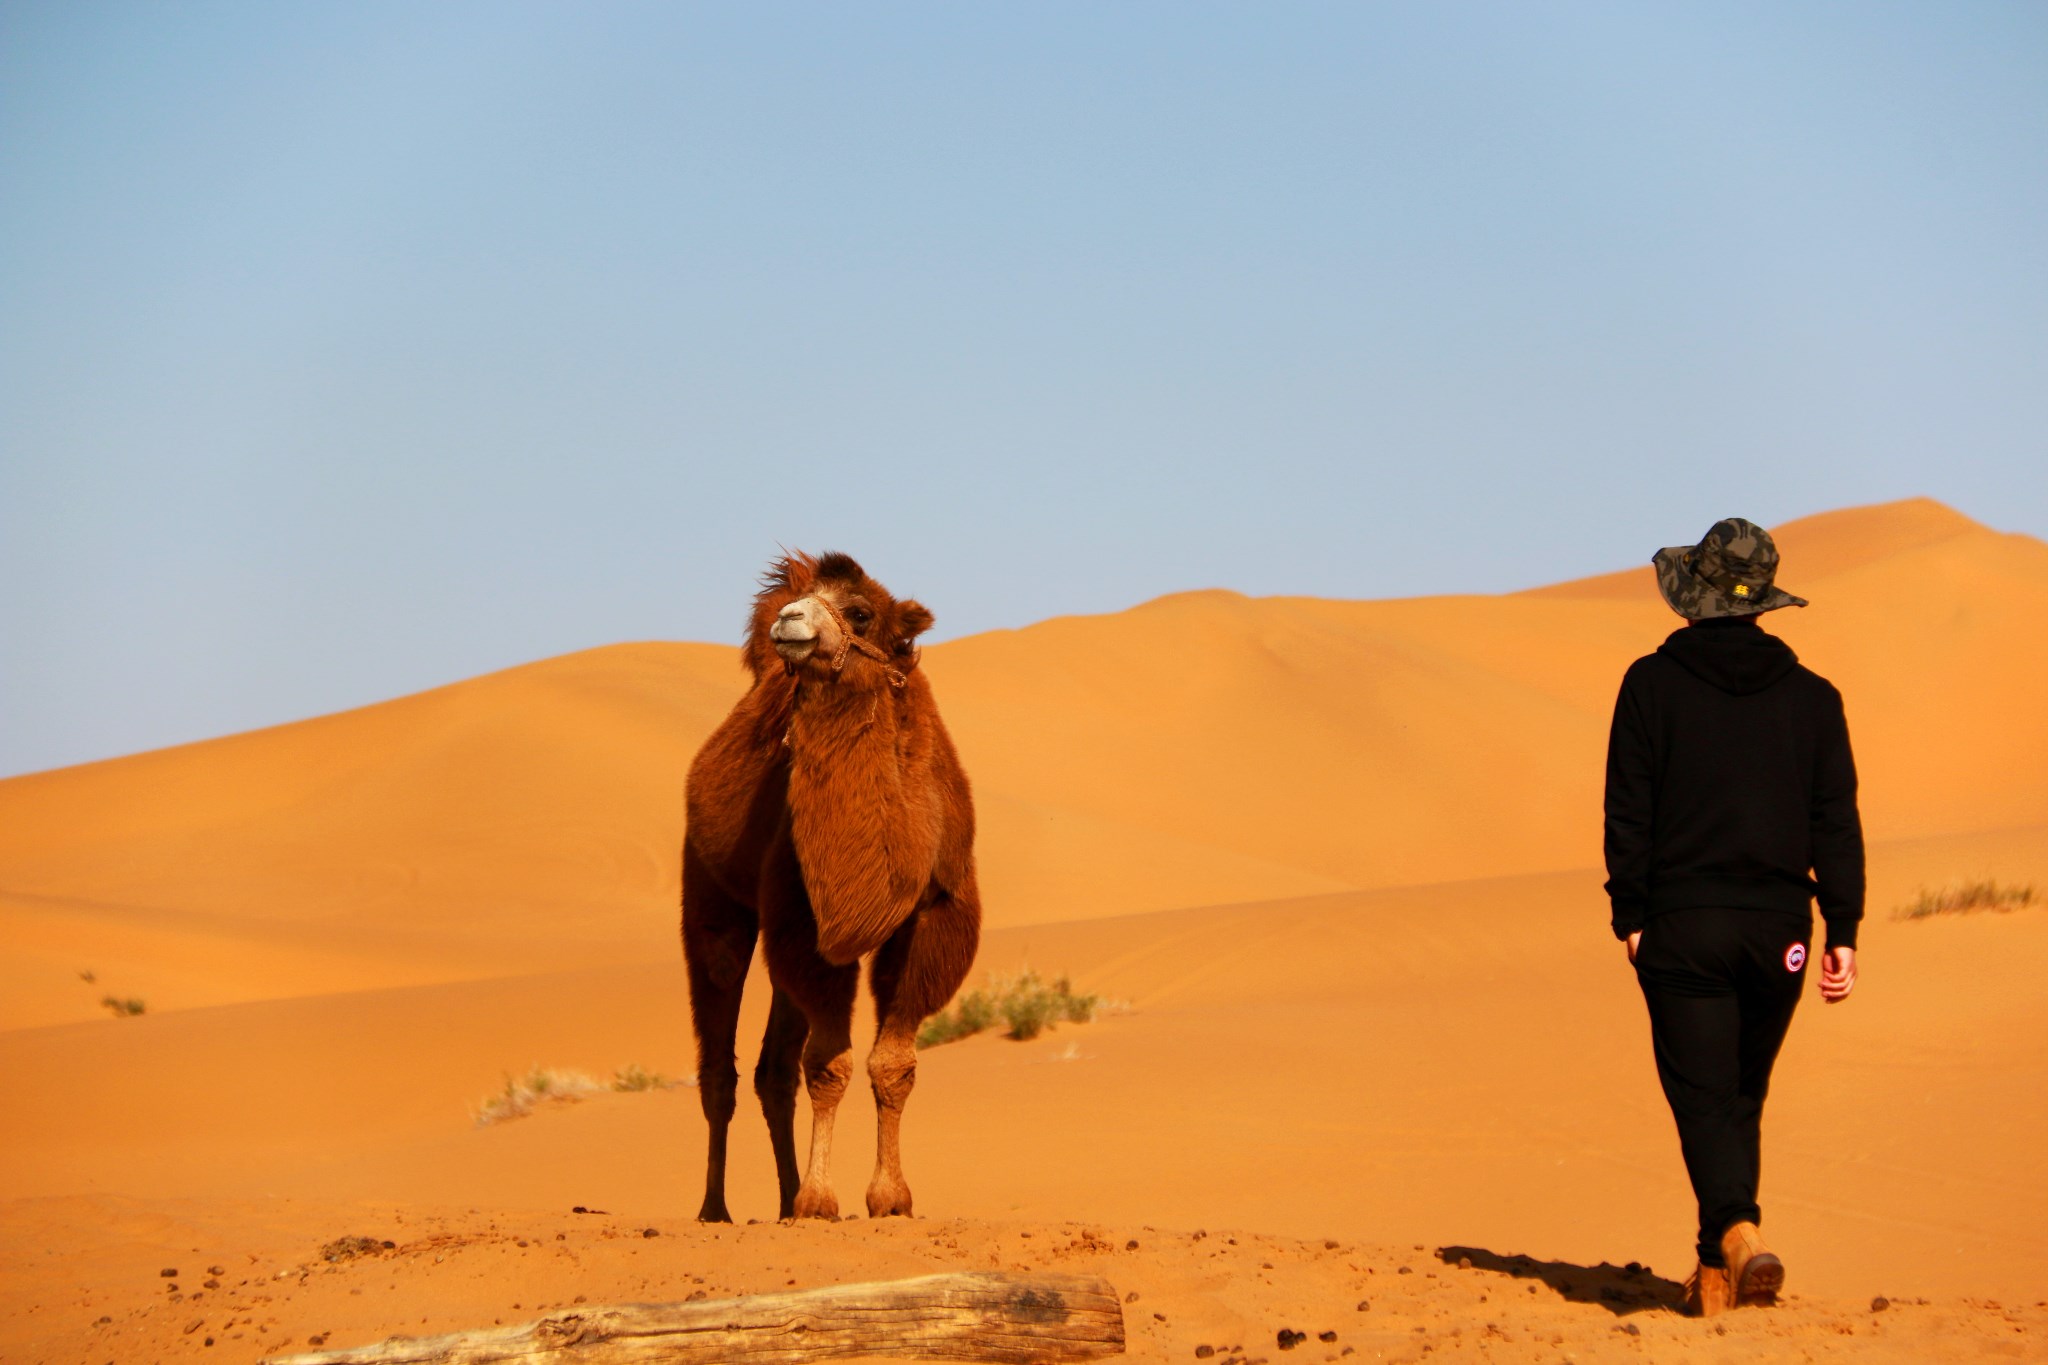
(1721, 986)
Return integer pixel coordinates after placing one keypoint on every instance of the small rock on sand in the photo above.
(1364, 1305)
(348, 1248)
(1203, 1352)
(1879, 1304)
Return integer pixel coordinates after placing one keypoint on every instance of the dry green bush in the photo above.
(1025, 1002)
(1963, 898)
(123, 1009)
(632, 1076)
(545, 1085)
(538, 1086)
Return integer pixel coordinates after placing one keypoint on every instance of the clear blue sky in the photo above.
(348, 349)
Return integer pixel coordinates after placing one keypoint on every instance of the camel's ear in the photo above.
(912, 620)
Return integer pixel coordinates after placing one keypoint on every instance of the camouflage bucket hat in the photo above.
(1728, 573)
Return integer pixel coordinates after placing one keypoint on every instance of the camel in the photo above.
(828, 816)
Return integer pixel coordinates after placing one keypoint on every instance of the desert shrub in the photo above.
(546, 1085)
(970, 1014)
(124, 1009)
(538, 1086)
(1026, 1003)
(1030, 1015)
(633, 1076)
(1962, 898)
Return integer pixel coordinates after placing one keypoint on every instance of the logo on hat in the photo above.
(1795, 957)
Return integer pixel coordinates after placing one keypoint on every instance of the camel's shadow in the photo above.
(1621, 1290)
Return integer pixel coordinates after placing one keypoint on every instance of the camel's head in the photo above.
(825, 616)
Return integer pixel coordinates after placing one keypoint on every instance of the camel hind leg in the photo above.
(718, 946)
(775, 1079)
(914, 973)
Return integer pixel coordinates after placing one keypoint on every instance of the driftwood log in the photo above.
(976, 1316)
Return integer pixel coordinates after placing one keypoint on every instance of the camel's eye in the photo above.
(859, 616)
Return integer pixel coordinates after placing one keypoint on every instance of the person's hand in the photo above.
(1634, 941)
(1837, 974)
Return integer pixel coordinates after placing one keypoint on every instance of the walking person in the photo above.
(1731, 806)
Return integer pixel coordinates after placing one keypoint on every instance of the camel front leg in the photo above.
(915, 973)
(824, 993)
(892, 1069)
(828, 1065)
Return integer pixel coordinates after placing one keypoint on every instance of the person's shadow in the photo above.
(1620, 1289)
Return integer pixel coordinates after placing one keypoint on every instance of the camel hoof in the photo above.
(713, 1213)
(823, 1204)
(889, 1203)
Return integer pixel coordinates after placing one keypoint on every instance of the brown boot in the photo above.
(1754, 1274)
(1706, 1292)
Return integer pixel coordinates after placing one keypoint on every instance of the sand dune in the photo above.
(1339, 857)
(1413, 1061)
(1409, 1067)
(1201, 749)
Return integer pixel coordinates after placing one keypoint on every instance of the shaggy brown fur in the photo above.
(829, 816)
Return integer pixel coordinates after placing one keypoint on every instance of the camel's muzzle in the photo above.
(795, 633)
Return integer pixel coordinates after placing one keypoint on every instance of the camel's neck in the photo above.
(862, 812)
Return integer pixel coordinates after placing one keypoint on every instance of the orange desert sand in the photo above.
(1382, 1072)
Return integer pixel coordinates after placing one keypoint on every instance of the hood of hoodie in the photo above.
(1732, 653)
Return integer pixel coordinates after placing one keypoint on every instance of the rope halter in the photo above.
(848, 642)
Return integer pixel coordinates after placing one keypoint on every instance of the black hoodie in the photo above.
(1730, 784)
